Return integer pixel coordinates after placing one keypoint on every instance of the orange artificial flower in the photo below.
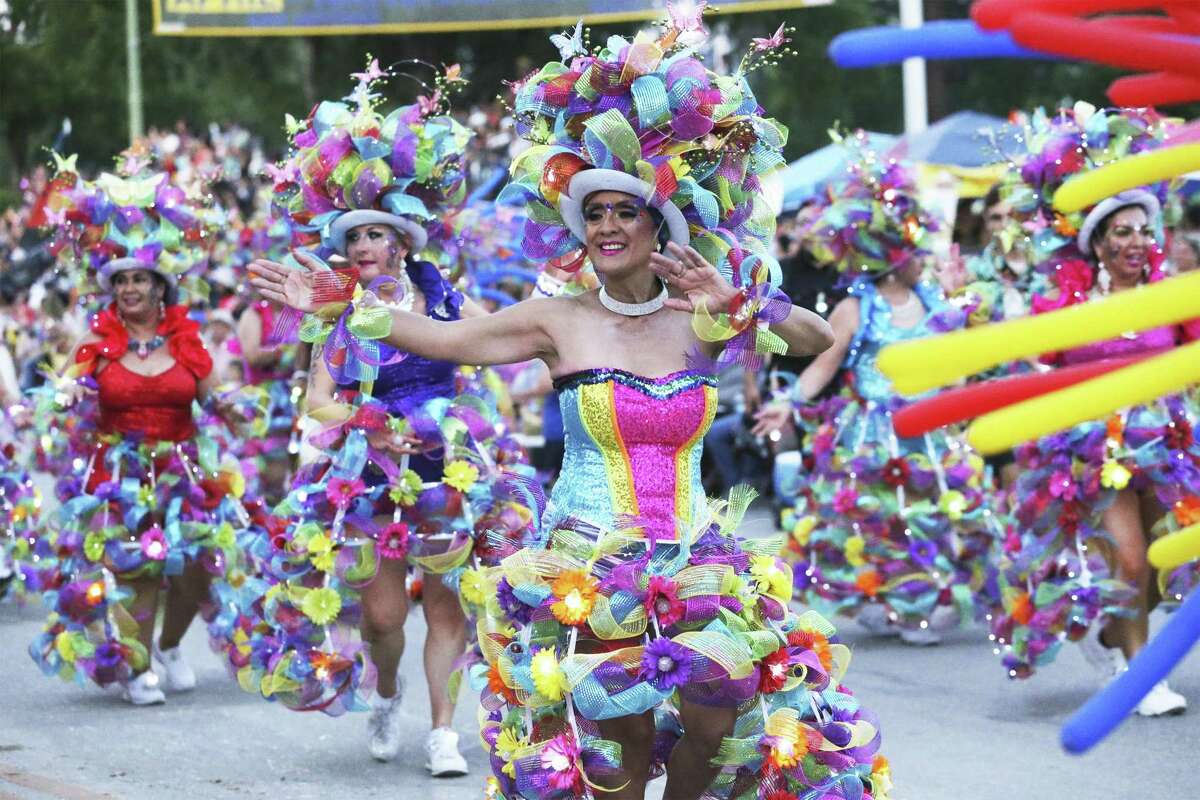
(1187, 510)
(1116, 429)
(1063, 226)
(496, 685)
(816, 642)
(576, 593)
(868, 582)
(1022, 610)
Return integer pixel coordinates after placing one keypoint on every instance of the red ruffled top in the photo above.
(153, 406)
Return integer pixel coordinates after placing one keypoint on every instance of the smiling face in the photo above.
(995, 219)
(1123, 244)
(375, 250)
(139, 292)
(621, 232)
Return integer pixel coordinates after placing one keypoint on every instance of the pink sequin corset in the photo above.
(632, 448)
(1147, 341)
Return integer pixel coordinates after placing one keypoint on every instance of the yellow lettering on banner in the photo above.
(225, 6)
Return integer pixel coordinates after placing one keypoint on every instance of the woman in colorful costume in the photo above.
(368, 186)
(890, 529)
(637, 629)
(1090, 497)
(148, 497)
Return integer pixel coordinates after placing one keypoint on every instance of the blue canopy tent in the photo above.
(806, 177)
(963, 139)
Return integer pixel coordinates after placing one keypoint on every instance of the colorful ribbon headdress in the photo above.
(353, 165)
(123, 223)
(647, 118)
(872, 222)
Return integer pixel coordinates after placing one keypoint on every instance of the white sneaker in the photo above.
(874, 618)
(179, 676)
(1161, 702)
(383, 726)
(920, 637)
(143, 690)
(1109, 662)
(443, 759)
(945, 618)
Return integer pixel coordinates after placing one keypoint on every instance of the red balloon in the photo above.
(1154, 89)
(1106, 43)
(1151, 24)
(994, 14)
(1186, 14)
(967, 402)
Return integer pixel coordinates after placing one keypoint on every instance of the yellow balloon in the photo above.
(924, 364)
(1177, 548)
(1094, 399)
(1094, 185)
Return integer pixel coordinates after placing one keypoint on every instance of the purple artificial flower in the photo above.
(923, 552)
(665, 664)
(511, 605)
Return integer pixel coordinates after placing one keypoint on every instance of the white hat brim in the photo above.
(590, 181)
(1133, 197)
(338, 229)
(128, 264)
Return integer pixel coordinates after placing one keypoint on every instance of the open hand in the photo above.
(289, 287)
(952, 273)
(700, 282)
(771, 418)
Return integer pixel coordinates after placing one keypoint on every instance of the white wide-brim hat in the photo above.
(1132, 197)
(338, 229)
(590, 181)
(128, 264)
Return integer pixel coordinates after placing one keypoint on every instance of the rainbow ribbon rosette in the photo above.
(872, 222)
(692, 145)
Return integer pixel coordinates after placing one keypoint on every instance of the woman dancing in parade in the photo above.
(368, 186)
(1090, 497)
(637, 629)
(148, 497)
(890, 529)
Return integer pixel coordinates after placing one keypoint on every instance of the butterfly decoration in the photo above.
(430, 105)
(572, 45)
(63, 166)
(373, 73)
(775, 41)
(293, 125)
(686, 17)
(454, 73)
(288, 173)
(362, 97)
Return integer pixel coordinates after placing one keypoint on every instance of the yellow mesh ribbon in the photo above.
(733, 656)
(578, 666)
(608, 627)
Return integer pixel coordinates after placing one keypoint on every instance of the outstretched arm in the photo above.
(517, 333)
(844, 324)
(804, 332)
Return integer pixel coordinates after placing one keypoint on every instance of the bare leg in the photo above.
(1151, 511)
(636, 736)
(689, 772)
(1123, 521)
(385, 607)
(185, 593)
(445, 641)
(143, 607)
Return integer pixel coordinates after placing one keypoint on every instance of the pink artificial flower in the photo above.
(845, 500)
(154, 544)
(662, 601)
(561, 760)
(392, 542)
(341, 492)
(1063, 486)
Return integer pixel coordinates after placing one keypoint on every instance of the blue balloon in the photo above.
(1110, 707)
(940, 40)
(496, 296)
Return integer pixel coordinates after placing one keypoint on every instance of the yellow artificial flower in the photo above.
(320, 551)
(460, 475)
(235, 481)
(224, 537)
(507, 745)
(548, 677)
(953, 504)
(321, 605)
(406, 490)
(1114, 475)
(881, 778)
(64, 643)
(93, 546)
(854, 551)
(770, 579)
(472, 587)
(146, 497)
(803, 529)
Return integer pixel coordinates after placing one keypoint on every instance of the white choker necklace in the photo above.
(634, 309)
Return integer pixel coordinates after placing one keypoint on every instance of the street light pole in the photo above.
(916, 105)
(133, 59)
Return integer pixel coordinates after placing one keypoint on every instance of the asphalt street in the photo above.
(955, 728)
